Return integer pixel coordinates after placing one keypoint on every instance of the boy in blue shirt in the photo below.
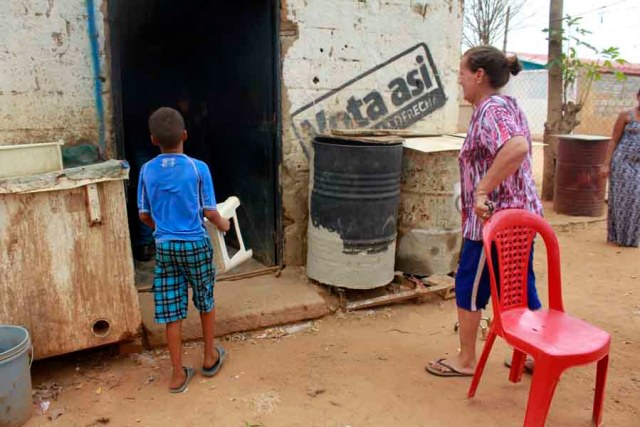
(175, 194)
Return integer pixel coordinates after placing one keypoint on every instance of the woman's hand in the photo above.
(605, 170)
(483, 207)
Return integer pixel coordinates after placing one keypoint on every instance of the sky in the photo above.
(614, 23)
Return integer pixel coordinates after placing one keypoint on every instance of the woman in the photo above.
(495, 173)
(623, 164)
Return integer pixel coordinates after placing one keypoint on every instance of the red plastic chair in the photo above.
(555, 340)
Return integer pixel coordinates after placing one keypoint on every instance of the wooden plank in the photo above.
(444, 284)
(70, 284)
(386, 139)
(248, 274)
(382, 132)
(66, 179)
(439, 284)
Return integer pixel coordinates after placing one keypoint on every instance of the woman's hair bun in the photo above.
(514, 65)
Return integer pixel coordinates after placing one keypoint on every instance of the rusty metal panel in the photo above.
(579, 188)
(429, 221)
(66, 277)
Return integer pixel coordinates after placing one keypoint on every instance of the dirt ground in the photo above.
(365, 368)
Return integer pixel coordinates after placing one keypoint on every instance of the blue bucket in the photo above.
(16, 355)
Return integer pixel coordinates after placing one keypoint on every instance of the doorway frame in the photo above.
(112, 43)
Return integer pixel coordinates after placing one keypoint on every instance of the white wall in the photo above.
(328, 48)
(46, 74)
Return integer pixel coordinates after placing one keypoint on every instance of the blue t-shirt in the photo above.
(175, 190)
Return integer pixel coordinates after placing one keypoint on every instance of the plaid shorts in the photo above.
(178, 264)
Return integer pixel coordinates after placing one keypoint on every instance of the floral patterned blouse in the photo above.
(496, 120)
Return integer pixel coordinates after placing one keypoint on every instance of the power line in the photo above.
(599, 8)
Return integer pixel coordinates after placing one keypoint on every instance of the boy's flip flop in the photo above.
(189, 372)
(449, 372)
(209, 372)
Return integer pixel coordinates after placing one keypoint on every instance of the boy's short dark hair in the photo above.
(166, 125)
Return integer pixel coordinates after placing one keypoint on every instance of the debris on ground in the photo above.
(46, 392)
(265, 403)
(56, 413)
(314, 392)
(280, 332)
(100, 422)
(42, 396)
(146, 358)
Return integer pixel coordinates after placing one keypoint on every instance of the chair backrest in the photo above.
(508, 239)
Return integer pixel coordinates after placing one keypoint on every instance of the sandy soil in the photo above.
(366, 368)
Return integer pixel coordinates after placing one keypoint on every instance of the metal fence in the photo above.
(608, 97)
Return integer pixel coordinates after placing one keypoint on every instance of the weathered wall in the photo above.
(47, 78)
(608, 98)
(361, 63)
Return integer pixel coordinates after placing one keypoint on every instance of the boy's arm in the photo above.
(218, 220)
(209, 201)
(146, 219)
(144, 207)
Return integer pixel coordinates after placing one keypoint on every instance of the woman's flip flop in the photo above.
(447, 372)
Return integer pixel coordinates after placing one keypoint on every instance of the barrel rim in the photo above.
(356, 143)
(23, 346)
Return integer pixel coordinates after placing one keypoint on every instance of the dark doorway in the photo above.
(216, 63)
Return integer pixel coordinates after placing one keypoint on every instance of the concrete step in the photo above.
(245, 305)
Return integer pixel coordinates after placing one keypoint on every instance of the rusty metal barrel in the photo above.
(355, 191)
(429, 220)
(579, 188)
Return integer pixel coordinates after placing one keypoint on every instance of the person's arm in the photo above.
(209, 201)
(218, 220)
(507, 162)
(618, 130)
(144, 206)
(146, 219)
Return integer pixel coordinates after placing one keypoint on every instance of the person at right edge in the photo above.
(495, 174)
(622, 166)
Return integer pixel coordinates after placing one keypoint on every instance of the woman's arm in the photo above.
(506, 163)
(618, 130)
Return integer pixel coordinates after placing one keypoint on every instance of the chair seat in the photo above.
(554, 333)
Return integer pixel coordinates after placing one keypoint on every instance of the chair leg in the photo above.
(517, 366)
(491, 338)
(543, 386)
(601, 379)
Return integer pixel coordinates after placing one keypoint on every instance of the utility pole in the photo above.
(506, 29)
(554, 99)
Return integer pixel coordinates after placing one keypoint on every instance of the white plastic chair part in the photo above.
(228, 209)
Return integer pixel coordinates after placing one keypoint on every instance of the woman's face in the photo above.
(469, 81)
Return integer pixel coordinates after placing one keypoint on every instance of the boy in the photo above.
(175, 194)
